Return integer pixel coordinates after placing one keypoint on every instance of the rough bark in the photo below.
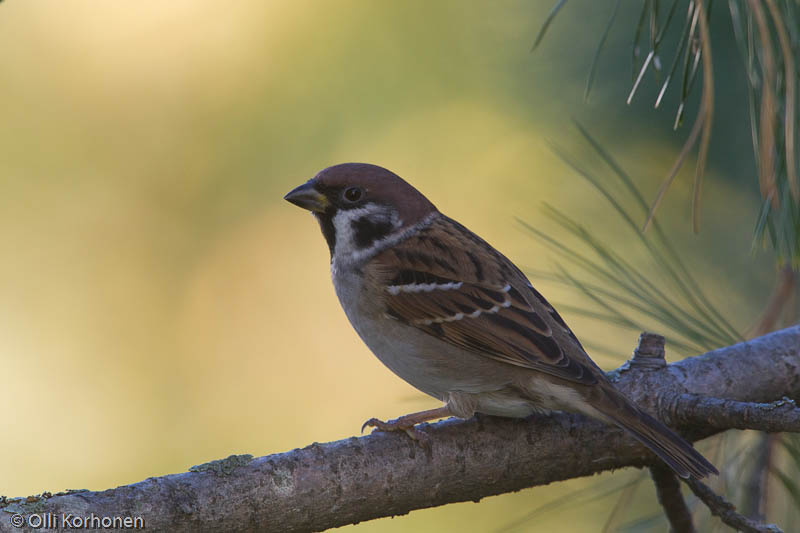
(357, 479)
(668, 491)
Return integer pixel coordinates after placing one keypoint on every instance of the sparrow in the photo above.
(455, 318)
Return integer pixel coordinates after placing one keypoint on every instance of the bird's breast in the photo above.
(427, 363)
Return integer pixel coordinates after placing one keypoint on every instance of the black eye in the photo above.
(352, 194)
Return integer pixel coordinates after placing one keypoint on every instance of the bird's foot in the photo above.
(398, 425)
(408, 424)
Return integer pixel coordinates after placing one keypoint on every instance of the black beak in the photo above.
(308, 197)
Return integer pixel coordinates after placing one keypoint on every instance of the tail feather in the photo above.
(671, 448)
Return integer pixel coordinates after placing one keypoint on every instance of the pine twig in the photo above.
(726, 511)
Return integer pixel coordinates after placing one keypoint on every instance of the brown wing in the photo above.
(451, 284)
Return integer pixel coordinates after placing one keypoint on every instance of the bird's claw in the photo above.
(373, 423)
(416, 435)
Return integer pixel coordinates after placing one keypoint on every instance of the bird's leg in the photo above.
(407, 422)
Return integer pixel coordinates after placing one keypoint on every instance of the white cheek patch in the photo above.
(343, 223)
(347, 248)
(347, 251)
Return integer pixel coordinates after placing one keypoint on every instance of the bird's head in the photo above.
(358, 205)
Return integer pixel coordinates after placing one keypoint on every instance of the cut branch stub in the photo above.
(650, 352)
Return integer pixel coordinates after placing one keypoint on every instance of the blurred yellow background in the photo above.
(162, 306)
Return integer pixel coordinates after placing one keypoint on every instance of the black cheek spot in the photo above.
(367, 231)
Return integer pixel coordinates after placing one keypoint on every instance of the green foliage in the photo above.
(692, 323)
(768, 34)
(624, 295)
(550, 16)
(771, 52)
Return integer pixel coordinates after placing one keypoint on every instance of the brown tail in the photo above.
(668, 445)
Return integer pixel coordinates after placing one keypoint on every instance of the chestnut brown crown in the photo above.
(352, 185)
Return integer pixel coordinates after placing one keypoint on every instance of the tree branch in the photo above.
(773, 417)
(726, 511)
(668, 491)
(352, 480)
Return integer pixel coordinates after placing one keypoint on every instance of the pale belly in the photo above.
(435, 367)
